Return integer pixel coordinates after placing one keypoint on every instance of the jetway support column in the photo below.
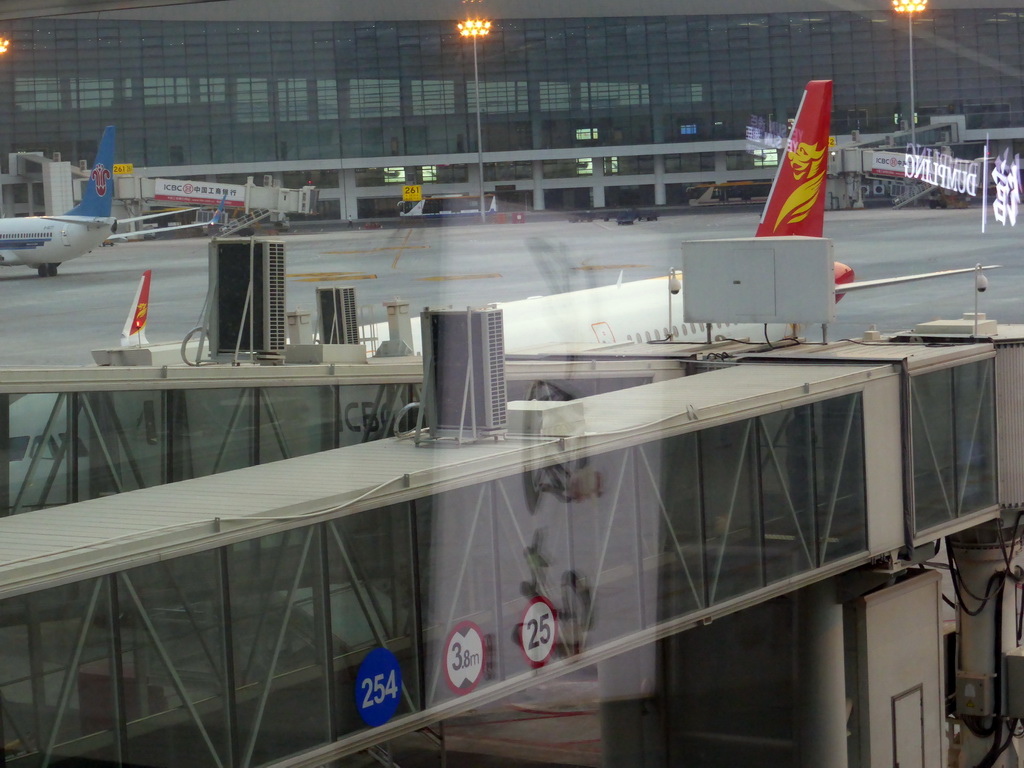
(981, 564)
(630, 724)
(821, 684)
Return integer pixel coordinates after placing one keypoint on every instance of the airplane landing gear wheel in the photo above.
(41, 269)
(51, 270)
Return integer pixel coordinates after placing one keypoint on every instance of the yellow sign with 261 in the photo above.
(412, 192)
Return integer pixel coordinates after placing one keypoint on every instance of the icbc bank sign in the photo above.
(198, 192)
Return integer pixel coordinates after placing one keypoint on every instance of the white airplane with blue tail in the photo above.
(44, 243)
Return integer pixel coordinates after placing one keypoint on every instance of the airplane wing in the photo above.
(217, 216)
(87, 221)
(157, 231)
(156, 215)
(863, 284)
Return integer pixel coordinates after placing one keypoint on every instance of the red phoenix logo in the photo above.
(100, 176)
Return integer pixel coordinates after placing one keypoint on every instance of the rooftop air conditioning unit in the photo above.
(338, 320)
(247, 310)
(464, 372)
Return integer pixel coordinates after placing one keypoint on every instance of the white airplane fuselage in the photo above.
(635, 312)
(35, 241)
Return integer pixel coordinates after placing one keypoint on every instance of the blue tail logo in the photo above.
(99, 193)
(218, 217)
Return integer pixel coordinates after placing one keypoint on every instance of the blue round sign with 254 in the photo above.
(378, 687)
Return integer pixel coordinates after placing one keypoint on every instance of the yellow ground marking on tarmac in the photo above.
(594, 267)
(326, 277)
(383, 249)
(439, 278)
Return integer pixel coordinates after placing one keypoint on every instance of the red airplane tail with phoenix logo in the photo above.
(134, 333)
(796, 205)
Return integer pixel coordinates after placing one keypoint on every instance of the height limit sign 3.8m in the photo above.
(464, 657)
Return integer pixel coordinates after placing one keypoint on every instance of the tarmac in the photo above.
(58, 321)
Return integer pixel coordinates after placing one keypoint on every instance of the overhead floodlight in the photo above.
(909, 6)
(4, 45)
(474, 27)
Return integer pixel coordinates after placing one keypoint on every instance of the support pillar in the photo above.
(659, 180)
(538, 185)
(630, 723)
(821, 684)
(597, 198)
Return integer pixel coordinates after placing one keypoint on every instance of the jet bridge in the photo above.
(881, 163)
(62, 183)
(250, 199)
(575, 574)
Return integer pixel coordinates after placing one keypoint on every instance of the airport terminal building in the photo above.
(581, 105)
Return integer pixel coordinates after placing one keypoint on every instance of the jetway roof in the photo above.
(68, 543)
(918, 357)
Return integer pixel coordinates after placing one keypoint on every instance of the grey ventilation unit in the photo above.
(464, 372)
(247, 302)
(338, 321)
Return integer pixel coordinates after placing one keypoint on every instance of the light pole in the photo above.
(910, 7)
(475, 28)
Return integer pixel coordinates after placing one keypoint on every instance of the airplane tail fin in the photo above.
(219, 217)
(796, 205)
(134, 333)
(99, 192)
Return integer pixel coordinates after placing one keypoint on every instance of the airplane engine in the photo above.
(843, 273)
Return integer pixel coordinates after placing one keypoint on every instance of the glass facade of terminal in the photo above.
(193, 92)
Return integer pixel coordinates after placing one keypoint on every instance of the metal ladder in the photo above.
(253, 216)
(916, 192)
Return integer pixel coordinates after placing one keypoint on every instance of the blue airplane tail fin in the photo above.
(99, 193)
(218, 217)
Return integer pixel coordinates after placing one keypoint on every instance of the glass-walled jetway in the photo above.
(70, 446)
(230, 620)
(99, 432)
